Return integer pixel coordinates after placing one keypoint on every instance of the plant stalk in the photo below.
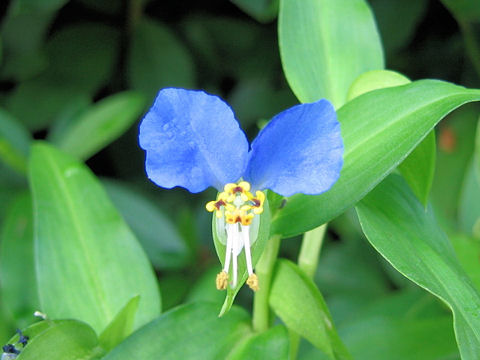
(264, 269)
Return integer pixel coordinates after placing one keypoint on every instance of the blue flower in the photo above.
(193, 140)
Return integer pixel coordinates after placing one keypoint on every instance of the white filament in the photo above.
(238, 238)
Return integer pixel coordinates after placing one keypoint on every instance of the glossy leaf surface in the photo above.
(88, 262)
(400, 229)
(325, 45)
(379, 130)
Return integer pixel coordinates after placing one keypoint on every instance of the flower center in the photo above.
(238, 206)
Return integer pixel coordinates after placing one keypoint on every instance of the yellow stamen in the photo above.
(252, 282)
(222, 280)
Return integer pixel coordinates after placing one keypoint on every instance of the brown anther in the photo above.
(222, 280)
(219, 203)
(252, 282)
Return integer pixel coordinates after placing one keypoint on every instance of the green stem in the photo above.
(308, 262)
(310, 250)
(264, 269)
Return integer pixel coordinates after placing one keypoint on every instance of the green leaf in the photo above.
(187, 332)
(469, 207)
(66, 340)
(456, 142)
(88, 262)
(400, 229)
(219, 240)
(379, 130)
(157, 59)
(83, 55)
(418, 168)
(468, 253)
(14, 143)
(467, 10)
(18, 283)
(325, 45)
(271, 344)
(380, 337)
(155, 231)
(101, 124)
(121, 326)
(260, 10)
(292, 292)
(397, 22)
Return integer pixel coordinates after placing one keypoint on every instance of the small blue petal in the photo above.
(193, 140)
(299, 151)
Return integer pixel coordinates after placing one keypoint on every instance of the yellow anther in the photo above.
(252, 282)
(222, 280)
(216, 205)
(258, 202)
(247, 219)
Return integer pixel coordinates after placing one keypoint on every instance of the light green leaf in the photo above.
(292, 293)
(65, 339)
(14, 143)
(400, 229)
(469, 207)
(468, 253)
(325, 45)
(101, 124)
(121, 326)
(187, 332)
(418, 168)
(219, 232)
(379, 130)
(88, 262)
(17, 273)
(155, 231)
(157, 59)
(271, 344)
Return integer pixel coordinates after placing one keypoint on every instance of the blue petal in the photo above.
(299, 151)
(193, 140)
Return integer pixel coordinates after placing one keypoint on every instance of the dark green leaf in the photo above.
(397, 21)
(189, 332)
(88, 262)
(292, 293)
(261, 10)
(157, 59)
(379, 130)
(402, 231)
(325, 45)
(382, 337)
(14, 143)
(271, 344)
(18, 283)
(155, 231)
(101, 124)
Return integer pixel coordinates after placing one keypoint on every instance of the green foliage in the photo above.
(409, 238)
(390, 122)
(321, 54)
(86, 239)
(75, 220)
